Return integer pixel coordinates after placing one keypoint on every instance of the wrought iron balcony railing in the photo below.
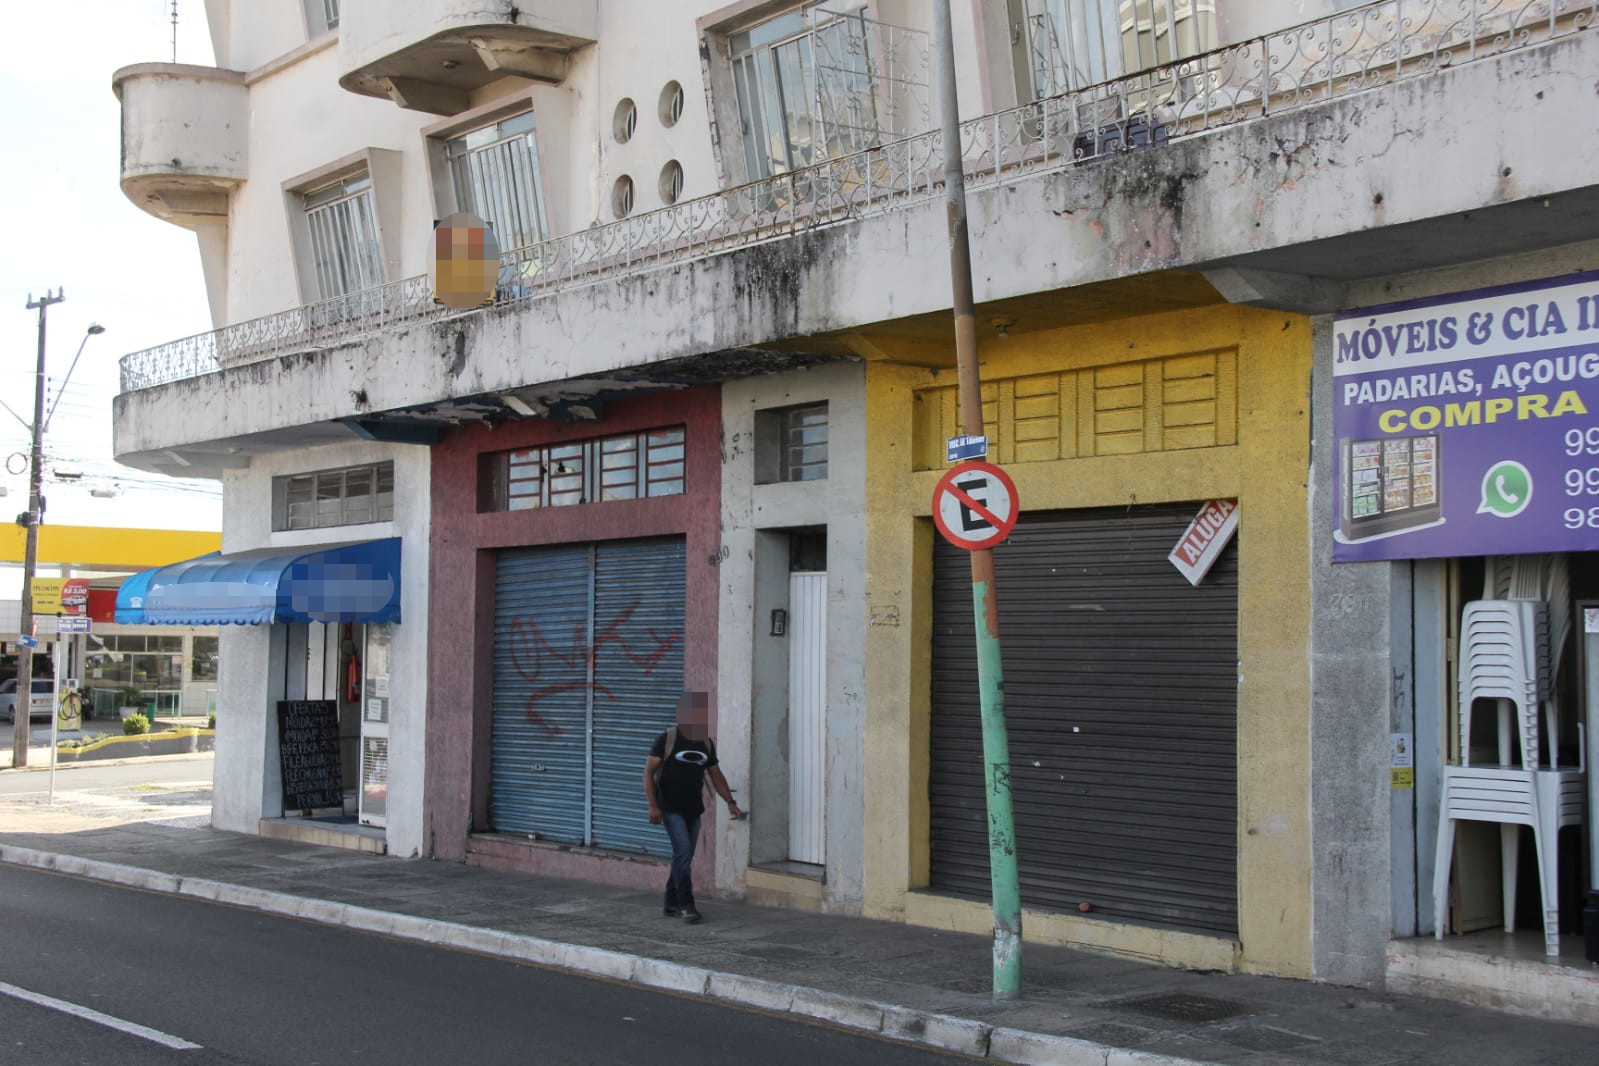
(1306, 65)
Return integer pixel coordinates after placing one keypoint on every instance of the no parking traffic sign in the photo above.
(975, 505)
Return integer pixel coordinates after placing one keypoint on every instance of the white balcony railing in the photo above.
(1309, 64)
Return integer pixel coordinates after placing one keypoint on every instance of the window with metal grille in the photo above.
(804, 87)
(348, 496)
(791, 443)
(330, 11)
(625, 467)
(1077, 43)
(496, 174)
(344, 237)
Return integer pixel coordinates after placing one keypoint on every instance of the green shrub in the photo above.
(211, 720)
(135, 724)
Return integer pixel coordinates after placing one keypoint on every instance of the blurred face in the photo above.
(694, 715)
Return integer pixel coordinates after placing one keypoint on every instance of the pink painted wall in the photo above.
(460, 659)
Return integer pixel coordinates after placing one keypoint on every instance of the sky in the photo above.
(72, 228)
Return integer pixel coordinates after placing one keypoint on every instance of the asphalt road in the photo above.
(89, 776)
(239, 987)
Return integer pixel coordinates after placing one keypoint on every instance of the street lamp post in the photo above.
(30, 519)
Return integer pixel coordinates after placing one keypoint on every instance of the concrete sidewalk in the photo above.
(904, 982)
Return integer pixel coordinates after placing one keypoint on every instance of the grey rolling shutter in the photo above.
(638, 676)
(1121, 698)
(541, 627)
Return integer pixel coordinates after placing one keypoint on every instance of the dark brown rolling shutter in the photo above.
(1121, 698)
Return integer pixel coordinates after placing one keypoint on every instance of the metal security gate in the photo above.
(588, 666)
(807, 717)
(1121, 698)
(539, 767)
(638, 677)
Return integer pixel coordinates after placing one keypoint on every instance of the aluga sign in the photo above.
(1469, 424)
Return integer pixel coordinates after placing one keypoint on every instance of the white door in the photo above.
(374, 800)
(807, 716)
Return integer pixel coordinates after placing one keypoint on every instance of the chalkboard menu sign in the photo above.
(308, 746)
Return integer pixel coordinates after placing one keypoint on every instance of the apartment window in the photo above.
(804, 87)
(345, 250)
(791, 443)
(1077, 43)
(321, 16)
(496, 174)
(348, 496)
(626, 467)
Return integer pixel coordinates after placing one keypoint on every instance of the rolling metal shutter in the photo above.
(638, 677)
(1121, 701)
(539, 767)
(588, 667)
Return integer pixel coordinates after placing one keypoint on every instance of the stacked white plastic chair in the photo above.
(1507, 655)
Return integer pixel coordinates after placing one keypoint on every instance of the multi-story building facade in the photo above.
(692, 442)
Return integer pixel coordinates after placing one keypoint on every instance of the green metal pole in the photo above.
(1004, 886)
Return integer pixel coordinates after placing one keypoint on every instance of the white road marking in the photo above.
(155, 1036)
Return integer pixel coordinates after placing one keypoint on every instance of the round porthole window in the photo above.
(622, 197)
(671, 103)
(671, 182)
(625, 121)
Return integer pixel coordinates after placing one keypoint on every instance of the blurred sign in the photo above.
(70, 623)
(60, 595)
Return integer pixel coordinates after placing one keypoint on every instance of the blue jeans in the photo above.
(684, 832)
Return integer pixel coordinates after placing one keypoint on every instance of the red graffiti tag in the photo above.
(538, 661)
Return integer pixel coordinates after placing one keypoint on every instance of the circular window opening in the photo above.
(671, 103)
(671, 182)
(622, 196)
(625, 121)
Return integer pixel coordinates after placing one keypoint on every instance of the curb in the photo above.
(905, 1024)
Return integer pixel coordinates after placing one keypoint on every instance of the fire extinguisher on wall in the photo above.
(352, 667)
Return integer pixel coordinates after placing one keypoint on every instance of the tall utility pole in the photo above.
(1003, 883)
(30, 555)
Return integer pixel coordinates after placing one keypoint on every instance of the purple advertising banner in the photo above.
(1468, 424)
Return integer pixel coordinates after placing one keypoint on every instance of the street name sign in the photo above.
(961, 448)
(975, 505)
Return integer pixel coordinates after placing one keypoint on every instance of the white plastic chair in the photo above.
(1545, 800)
(1504, 656)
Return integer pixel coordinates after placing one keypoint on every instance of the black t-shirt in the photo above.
(681, 787)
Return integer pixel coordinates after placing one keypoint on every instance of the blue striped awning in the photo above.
(354, 582)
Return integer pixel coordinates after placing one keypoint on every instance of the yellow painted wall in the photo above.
(1189, 405)
(95, 547)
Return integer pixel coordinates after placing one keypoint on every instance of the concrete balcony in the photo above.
(1273, 195)
(184, 137)
(431, 54)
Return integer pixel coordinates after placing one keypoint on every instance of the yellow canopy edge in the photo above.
(101, 548)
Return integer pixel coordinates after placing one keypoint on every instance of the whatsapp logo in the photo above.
(1506, 489)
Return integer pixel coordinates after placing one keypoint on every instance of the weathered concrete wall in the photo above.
(251, 670)
(461, 653)
(1356, 165)
(1263, 464)
(836, 502)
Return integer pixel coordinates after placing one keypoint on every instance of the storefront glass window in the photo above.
(205, 658)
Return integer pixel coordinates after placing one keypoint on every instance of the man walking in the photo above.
(674, 785)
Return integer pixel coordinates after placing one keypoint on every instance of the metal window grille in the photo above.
(496, 172)
(343, 497)
(804, 443)
(804, 83)
(344, 237)
(624, 467)
(330, 11)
